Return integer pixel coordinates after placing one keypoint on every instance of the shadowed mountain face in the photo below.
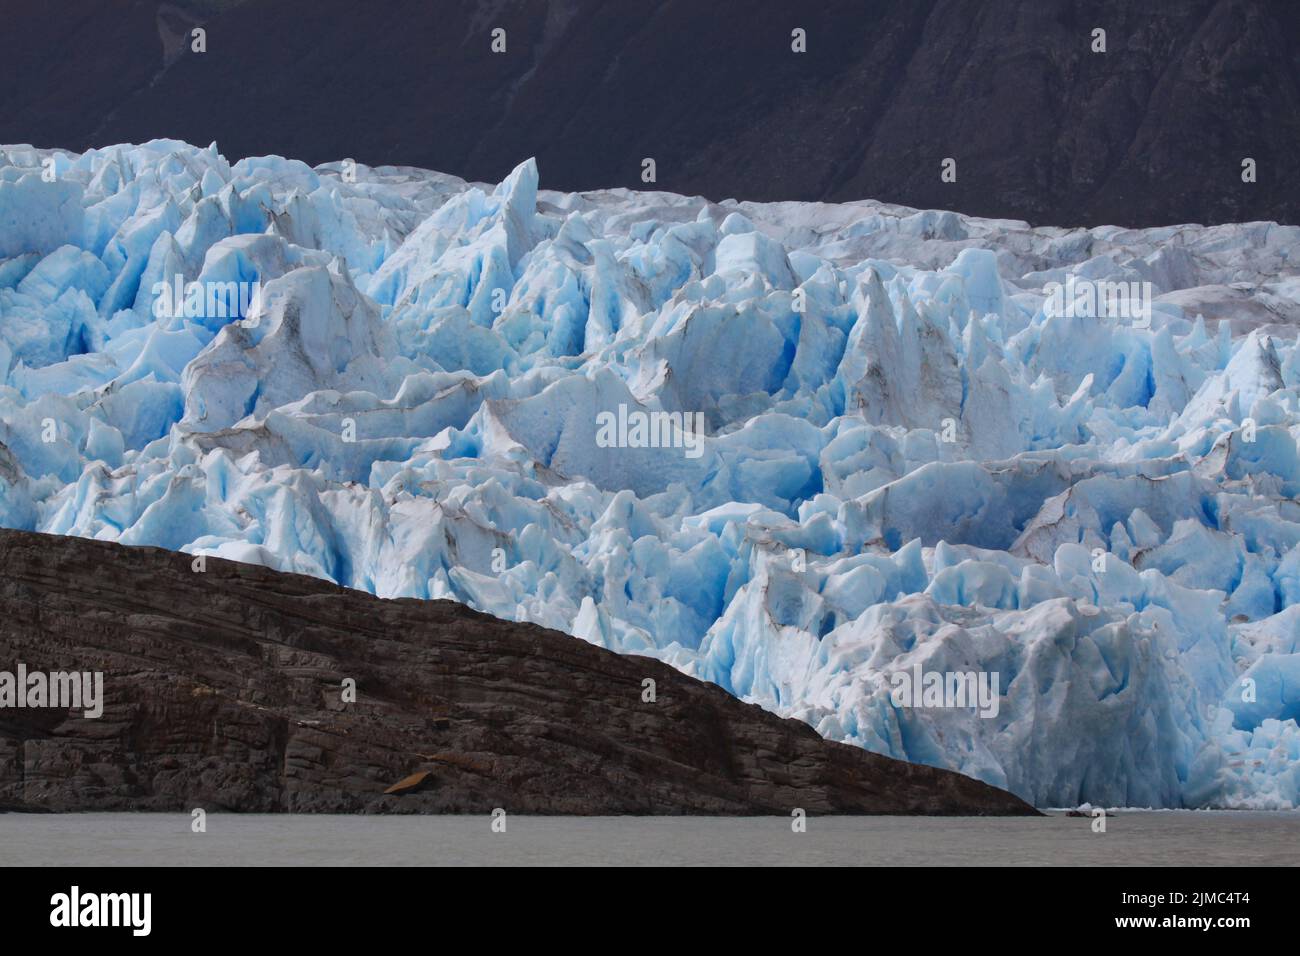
(1153, 131)
(223, 688)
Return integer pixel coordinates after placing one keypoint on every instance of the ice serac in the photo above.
(793, 449)
(310, 330)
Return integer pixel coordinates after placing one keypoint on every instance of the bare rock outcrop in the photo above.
(225, 689)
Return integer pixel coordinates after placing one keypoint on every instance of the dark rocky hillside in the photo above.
(1151, 132)
(223, 690)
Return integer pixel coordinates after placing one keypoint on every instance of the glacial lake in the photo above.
(1132, 838)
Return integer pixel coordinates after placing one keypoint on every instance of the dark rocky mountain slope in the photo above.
(223, 689)
(1151, 132)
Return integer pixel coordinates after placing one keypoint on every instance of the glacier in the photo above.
(908, 457)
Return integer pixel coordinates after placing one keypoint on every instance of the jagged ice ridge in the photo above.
(467, 337)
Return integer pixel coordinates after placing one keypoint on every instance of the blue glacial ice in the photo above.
(908, 457)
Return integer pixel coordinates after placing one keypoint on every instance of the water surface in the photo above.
(1132, 838)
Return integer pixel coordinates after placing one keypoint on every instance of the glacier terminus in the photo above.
(794, 449)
